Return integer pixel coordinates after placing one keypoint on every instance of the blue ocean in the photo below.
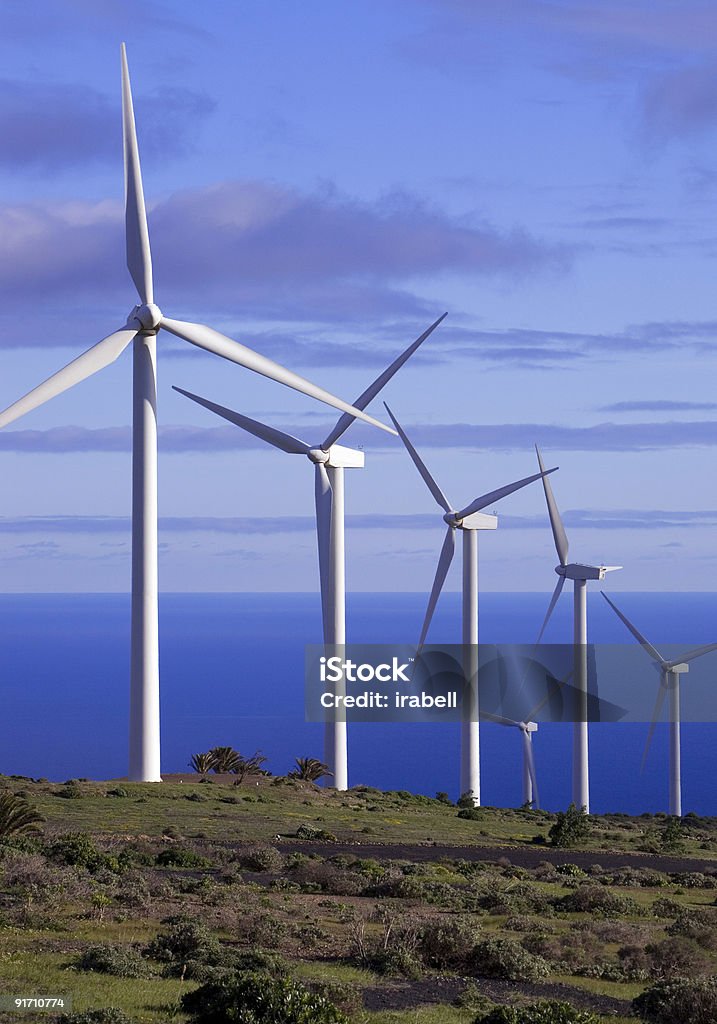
(232, 674)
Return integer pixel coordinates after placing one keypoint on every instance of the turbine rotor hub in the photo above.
(319, 456)
(451, 518)
(148, 317)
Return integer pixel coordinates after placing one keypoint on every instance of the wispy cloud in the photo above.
(267, 249)
(610, 437)
(56, 126)
(658, 405)
(238, 526)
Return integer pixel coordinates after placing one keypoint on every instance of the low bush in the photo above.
(504, 958)
(677, 1002)
(259, 858)
(107, 1015)
(120, 961)
(571, 828)
(599, 901)
(78, 850)
(179, 857)
(186, 940)
(677, 957)
(550, 1012)
(258, 999)
(447, 941)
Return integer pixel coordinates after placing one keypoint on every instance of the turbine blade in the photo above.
(139, 256)
(94, 359)
(212, 341)
(378, 385)
(657, 711)
(323, 498)
(530, 757)
(697, 652)
(492, 496)
(444, 562)
(420, 465)
(556, 523)
(488, 716)
(652, 651)
(271, 435)
(553, 601)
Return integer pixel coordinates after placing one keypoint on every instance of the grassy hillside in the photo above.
(392, 906)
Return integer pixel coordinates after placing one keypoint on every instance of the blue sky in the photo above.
(323, 180)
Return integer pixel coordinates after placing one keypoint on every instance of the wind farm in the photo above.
(267, 753)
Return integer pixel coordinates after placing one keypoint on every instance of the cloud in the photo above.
(659, 405)
(607, 437)
(681, 103)
(267, 249)
(57, 126)
(243, 526)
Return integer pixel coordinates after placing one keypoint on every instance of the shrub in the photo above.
(78, 850)
(447, 941)
(257, 999)
(259, 858)
(550, 1012)
(17, 816)
(120, 961)
(178, 857)
(599, 901)
(505, 958)
(570, 828)
(312, 832)
(263, 930)
(677, 957)
(676, 1002)
(107, 1015)
(184, 941)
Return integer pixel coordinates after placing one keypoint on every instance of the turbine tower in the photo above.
(579, 574)
(670, 672)
(469, 520)
(141, 329)
(330, 460)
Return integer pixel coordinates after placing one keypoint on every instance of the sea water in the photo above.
(232, 674)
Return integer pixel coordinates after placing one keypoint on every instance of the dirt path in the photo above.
(526, 857)
(406, 995)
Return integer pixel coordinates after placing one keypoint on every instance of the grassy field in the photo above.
(393, 905)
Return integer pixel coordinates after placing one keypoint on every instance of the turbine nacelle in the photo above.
(679, 669)
(338, 457)
(148, 316)
(576, 571)
(475, 521)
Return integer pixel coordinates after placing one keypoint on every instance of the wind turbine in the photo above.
(469, 520)
(143, 323)
(670, 672)
(330, 460)
(579, 574)
(529, 777)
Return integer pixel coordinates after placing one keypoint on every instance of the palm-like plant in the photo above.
(202, 763)
(17, 816)
(224, 759)
(310, 769)
(247, 766)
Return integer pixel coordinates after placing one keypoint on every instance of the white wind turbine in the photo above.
(469, 520)
(143, 323)
(531, 797)
(670, 672)
(329, 459)
(579, 574)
